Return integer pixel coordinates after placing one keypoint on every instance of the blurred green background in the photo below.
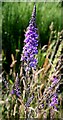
(0, 27)
(15, 19)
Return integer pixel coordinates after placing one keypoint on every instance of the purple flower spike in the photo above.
(16, 88)
(29, 100)
(54, 101)
(31, 43)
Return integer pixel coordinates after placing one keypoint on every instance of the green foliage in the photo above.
(46, 13)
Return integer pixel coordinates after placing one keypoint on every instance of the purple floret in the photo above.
(55, 80)
(12, 92)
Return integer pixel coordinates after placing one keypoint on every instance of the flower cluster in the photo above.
(54, 81)
(31, 43)
(54, 101)
(16, 88)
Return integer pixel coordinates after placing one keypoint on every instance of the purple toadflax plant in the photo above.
(16, 88)
(28, 58)
(31, 43)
